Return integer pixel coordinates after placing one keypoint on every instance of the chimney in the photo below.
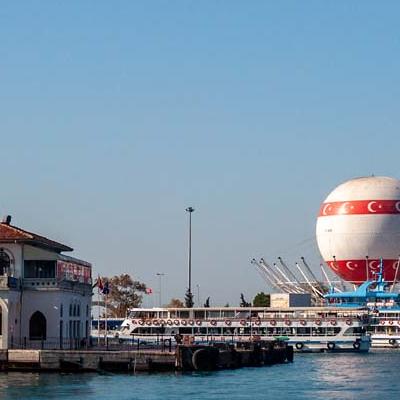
(6, 220)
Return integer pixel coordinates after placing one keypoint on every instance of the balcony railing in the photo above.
(48, 283)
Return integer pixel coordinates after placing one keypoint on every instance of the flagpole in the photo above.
(98, 317)
(106, 328)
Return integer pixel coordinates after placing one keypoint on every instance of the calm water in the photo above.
(369, 376)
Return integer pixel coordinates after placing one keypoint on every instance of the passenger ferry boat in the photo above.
(384, 309)
(308, 329)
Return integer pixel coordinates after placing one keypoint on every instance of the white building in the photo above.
(45, 296)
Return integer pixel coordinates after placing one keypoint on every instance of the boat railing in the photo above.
(254, 320)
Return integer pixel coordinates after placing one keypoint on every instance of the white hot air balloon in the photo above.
(358, 224)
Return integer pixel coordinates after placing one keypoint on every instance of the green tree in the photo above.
(243, 302)
(189, 303)
(261, 300)
(125, 293)
(175, 303)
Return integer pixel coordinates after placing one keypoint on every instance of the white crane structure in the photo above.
(284, 279)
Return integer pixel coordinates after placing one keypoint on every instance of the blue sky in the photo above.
(116, 116)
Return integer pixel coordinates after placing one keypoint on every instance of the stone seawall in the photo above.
(184, 358)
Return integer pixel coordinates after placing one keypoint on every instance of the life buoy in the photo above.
(390, 322)
(299, 345)
(288, 322)
(382, 322)
(155, 322)
(356, 345)
(303, 322)
(148, 322)
(349, 322)
(141, 322)
(228, 322)
(176, 322)
(242, 322)
(331, 346)
(318, 322)
(134, 322)
(273, 322)
(191, 322)
(213, 322)
(258, 322)
(169, 322)
(333, 322)
(398, 322)
(183, 322)
(198, 322)
(162, 322)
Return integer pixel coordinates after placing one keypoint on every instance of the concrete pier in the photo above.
(184, 358)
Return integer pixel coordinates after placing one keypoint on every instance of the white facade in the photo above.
(45, 296)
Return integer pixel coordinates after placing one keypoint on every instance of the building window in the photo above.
(61, 311)
(5, 263)
(78, 310)
(70, 310)
(87, 310)
(39, 269)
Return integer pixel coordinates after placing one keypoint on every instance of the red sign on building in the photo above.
(74, 272)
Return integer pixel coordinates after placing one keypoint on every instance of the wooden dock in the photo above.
(184, 358)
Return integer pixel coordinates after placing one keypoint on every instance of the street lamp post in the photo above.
(160, 275)
(198, 295)
(190, 210)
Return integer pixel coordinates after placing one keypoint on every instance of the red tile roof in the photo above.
(10, 233)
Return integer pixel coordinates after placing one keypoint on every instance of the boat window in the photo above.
(185, 331)
(317, 331)
(134, 314)
(213, 314)
(304, 331)
(332, 331)
(228, 314)
(242, 314)
(183, 314)
(356, 330)
(199, 314)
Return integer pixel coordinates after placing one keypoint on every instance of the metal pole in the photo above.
(190, 251)
(98, 317)
(198, 296)
(160, 275)
(395, 275)
(106, 327)
(190, 210)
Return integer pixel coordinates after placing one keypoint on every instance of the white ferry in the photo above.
(308, 329)
(384, 307)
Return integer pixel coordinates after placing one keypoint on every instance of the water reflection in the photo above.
(331, 376)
